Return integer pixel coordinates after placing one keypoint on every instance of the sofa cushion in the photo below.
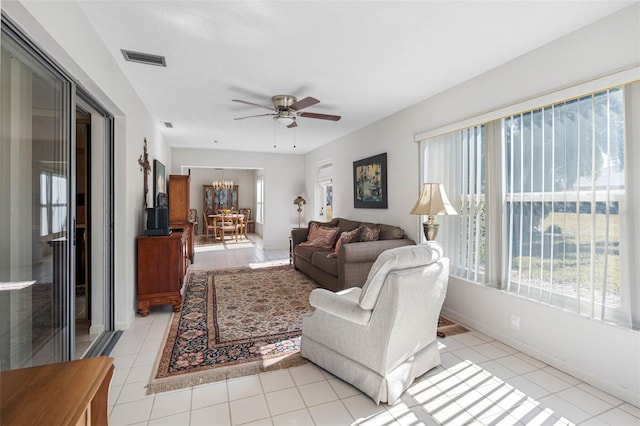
(388, 232)
(397, 258)
(329, 265)
(344, 238)
(346, 225)
(368, 233)
(321, 236)
(306, 252)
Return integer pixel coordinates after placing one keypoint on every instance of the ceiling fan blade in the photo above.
(304, 103)
(320, 116)
(251, 116)
(270, 108)
(292, 125)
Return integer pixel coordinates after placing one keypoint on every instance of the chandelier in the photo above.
(222, 183)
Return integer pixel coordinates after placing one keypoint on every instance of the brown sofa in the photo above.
(354, 260)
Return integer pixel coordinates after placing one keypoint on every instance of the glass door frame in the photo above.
(72, 92)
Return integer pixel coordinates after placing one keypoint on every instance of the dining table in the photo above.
(216, 217)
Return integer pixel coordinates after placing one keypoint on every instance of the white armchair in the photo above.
(382, 336)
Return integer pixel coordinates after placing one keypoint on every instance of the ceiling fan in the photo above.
(287, 108)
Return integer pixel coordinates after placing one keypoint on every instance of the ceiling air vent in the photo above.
(144, 58)
(168, 125)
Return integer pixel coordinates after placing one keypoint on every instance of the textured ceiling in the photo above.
(362, 60)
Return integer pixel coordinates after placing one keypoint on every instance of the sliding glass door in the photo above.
(36, 224)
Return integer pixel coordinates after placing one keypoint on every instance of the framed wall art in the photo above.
(159, 181)
(370, 183)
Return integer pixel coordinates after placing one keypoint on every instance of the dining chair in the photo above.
(249, 222)
(208, 227)
(242, 226)
(193, 218)
(227, 223)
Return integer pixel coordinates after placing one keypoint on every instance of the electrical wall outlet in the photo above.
(515, 322)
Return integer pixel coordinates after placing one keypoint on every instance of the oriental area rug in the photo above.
(236, 323)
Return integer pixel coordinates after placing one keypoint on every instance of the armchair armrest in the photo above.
(342, 305)
(298, 235)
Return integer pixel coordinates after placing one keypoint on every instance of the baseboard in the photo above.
(124, 325)
(96, 329)
(598, 382)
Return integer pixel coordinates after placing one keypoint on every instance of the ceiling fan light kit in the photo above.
(286, 109)
(286, 118)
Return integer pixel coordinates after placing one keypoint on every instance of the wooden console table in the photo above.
(70, 393)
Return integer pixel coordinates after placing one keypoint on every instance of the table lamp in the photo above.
(433, 201)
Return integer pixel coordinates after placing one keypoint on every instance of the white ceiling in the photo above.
(362, 60)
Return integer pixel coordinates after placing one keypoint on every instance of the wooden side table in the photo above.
(290, 250)
(66, 393)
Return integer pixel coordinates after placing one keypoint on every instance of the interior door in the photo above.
(36, 220)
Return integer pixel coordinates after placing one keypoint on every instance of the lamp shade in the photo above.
(299, 200)
(433, 201)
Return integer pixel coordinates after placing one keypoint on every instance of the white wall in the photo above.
(283, 181)
(62, 30)
(604, 355)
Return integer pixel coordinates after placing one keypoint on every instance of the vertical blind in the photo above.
(564, 168)
(457, 160)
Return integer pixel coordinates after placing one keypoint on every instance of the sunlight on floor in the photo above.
(278, 262)
(202, 249)
(462, 394)
(467, 391)
(231, 245)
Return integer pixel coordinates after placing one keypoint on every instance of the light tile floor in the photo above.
(481, 382)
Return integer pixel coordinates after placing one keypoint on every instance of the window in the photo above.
(53, 204)
(552, 203)
(564, 186)
(260, 200)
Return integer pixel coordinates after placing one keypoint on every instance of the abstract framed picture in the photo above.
(159, 181)
(370, 182)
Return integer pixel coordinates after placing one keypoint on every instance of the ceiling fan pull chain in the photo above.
(294, 138)
(274, 134)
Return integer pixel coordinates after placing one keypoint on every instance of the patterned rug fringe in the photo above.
(222, 373)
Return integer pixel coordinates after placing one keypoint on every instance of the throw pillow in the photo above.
(368, 233)
(346, 237)
(331, 224)
(320, 236)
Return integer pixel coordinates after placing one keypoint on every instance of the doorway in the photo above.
(82, 293)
